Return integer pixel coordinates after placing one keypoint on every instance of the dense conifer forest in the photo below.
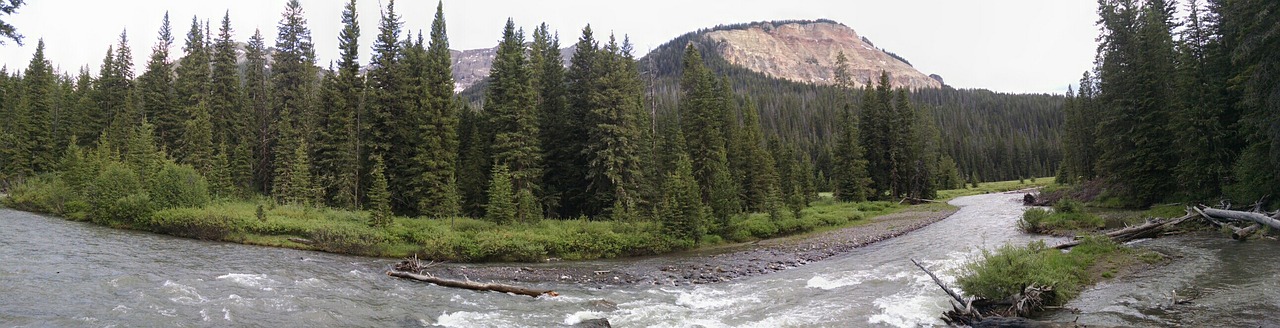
(1182, 105)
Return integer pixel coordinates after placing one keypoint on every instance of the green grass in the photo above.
(1005, 272)
(993, 187)
(1067, 216)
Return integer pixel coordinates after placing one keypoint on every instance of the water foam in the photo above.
(580, 316)
(260, 281)
(183, 294)
(467, 319)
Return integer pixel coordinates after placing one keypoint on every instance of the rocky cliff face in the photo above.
(806, 52)
(472, 66)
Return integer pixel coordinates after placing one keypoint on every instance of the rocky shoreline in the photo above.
(707, 266)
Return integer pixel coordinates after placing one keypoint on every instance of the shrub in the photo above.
(1067, 205)
(179, 186)
(1006, 272)
(1032, 220)
(195, 223)
(105, 192)
(359, 240)
(46, 194)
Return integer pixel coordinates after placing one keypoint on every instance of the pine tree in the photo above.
(230, 121)
(473, 164)
(1137, 59)
(437, 152)
(613, 135)
(702, 118)
(379, 197)
(548, 79)
(197, 140)
(257, 97)
(192, 85)
(850, 168)
(221, 183)
(337, 153)
(141, 153)
(760, 175)
(387, 105)
(510, 98)
(157, 92)
(682, 214)
(115, 90)
(564, 130)
(293, 79)
(502, 208)
(42, 118)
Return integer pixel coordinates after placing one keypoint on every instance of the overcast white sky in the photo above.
(1003, 45)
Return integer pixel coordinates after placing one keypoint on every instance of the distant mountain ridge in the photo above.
(796, 50)
(806, 51)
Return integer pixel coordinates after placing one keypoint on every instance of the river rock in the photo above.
(602, 305)
(594, 323)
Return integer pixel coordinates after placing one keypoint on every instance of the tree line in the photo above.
(1179, 108)
(547, 141)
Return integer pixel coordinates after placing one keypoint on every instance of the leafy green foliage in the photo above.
(1007, 271)
(178, 186)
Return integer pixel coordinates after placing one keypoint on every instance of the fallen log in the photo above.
(1151, 228)
(490, 287)
(1243, 233)
(1272, 222)
(953, 294)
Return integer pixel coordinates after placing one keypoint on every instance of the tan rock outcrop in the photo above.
(806, 52)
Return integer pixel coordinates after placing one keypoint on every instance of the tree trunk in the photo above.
(492, 287)
(1243, 216)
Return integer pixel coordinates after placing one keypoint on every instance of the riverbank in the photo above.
(713, 265)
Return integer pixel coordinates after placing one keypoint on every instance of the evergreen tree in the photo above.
(379, 197)
(42, 118)
(115, 90)
(850, 168)
(387, 105)
(1137, 59)
(219, 176)
(613, 135)
(437, 152)
(548, 79)
(293, 78)
(510, 98)
(702, 119)
(473, 162)
(197, 140)
(230, 121)
(502, 208)
(192, 85)
(564, 129)
(257, 96)
(157, 93)
(682, 213)
(760, 175)
(141, 153)
(337, 153)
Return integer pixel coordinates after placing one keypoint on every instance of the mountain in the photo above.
(805, 51)
(472, 66)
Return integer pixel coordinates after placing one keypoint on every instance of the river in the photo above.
(55, 272)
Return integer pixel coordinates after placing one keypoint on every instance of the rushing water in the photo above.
(55, 272)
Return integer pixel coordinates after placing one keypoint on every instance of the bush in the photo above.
(45, 194)
(179, 186)
(354, 239)
(1067, 205)
(196, 223)
(1006, 272)
(106, 195)
(1067, 215)
(1032, 220)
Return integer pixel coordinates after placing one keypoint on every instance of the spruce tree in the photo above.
(230, 121)
(157, 93)
(192, 85)
(387, 107)
(197, 140)
(564, 129)
(293, 79)
(548, 79)
(42, 118)
(510, 98)
(760, 174)
(501, 208)
(682, 213)
(115, 96)
(613, 135)
(337, 153)
(437, 152)
(850, 168)
(379, 196)
(261, 130)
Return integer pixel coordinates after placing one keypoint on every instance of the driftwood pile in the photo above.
(416, 270)
(982, 312)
